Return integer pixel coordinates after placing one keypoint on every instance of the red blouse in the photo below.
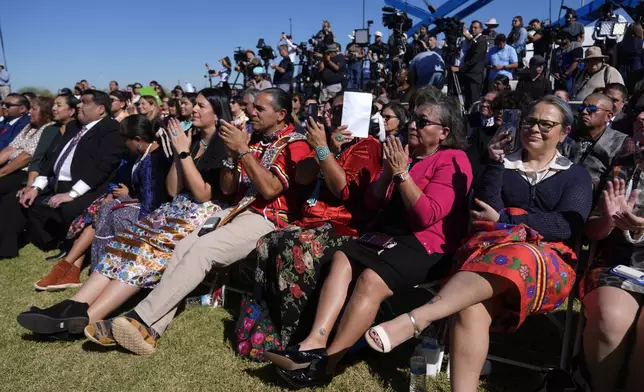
(348, 215)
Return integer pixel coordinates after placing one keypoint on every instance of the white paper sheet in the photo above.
(356, 113)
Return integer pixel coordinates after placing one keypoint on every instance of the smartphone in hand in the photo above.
(511, 124)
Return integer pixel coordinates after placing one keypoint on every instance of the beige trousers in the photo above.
(192, 259)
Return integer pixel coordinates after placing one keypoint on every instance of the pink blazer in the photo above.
(440, 215)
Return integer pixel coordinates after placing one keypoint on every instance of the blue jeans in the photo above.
(355, 73)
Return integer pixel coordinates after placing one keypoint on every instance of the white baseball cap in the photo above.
(378, 34)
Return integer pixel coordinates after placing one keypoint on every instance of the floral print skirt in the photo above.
(87, 218)
(138, 255)
(540, 270)
(289, 267)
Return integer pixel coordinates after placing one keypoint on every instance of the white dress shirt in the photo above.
(65, 173)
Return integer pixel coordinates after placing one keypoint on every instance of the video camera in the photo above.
(266, 52)
(239, 55)
(453, 30)
(395, 20)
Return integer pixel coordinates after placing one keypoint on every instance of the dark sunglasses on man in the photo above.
(10, 105)
(590, 108)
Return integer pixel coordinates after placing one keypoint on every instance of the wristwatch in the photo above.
(401, 177)
(73, 194)
(184, 155)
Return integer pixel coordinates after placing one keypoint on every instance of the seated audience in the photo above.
(563, 95)
(507, 280)
(72, 176)
(502, 59)
(119, 105)
(237, 109)
(630, 55)
(15, 117)
(502, 83)
(299, 111)
(137, 257)
(149, 107)
(427, 68)
(596, 73)
(15, 158)
(174, 107)
(594, 144)
(481, 137)
(481, 114)
(424, 196)
(261, 176)
(535, 85)
(188, 101)
(614, 327)
(395, 118)
(566, 59)
(117, 210)
(619, 95)
(290, 261)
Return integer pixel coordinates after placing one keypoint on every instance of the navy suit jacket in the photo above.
(11, 131)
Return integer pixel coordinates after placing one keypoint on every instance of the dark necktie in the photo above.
(65, 154)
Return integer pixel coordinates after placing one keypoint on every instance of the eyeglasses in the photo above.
(422, 122)
(10, 105)
(591, 108)
(545, 126)
(387, 117)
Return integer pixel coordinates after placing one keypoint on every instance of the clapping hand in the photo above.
(487, 213)
(496, 148)
(235, 139)
(131, 108)
(396, 156)
(619, 209)
(178, 138)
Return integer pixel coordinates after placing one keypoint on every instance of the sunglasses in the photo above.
(387, 117)
(10, 105)
(590, 108)
(422, 122)
(545, 126)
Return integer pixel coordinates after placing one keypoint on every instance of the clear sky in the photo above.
(53, 44)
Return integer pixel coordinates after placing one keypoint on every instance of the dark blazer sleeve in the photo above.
(44, 143)
(475, 55)
(95, 167)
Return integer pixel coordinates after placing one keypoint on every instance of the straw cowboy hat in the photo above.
(594, 52)
(492, 23)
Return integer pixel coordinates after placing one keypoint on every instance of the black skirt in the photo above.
(405, 265)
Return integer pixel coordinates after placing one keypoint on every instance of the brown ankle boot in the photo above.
(69, 280)
(57, 272)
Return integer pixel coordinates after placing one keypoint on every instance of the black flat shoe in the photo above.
(67, 316)
(57, 257)
(315, 376)
(293, 359)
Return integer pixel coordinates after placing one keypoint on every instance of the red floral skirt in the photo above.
(541, 271)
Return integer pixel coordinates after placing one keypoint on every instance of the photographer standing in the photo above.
(540, 43)
(325, 36)
(472, 68)
(292, 48)
(355, 57)
(332, 67)
(573, 27)
(378, 50)
(249, 65)
(284, 71)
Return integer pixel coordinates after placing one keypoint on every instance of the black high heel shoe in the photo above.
(315, 375)
(292, 359)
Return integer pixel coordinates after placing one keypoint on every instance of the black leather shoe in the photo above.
(57, 257)
(67, 316)
(293, 359)
(313, 376)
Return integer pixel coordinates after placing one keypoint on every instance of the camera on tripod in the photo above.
(239, 55)
(395, 20)
(266, 52)
(453, 30)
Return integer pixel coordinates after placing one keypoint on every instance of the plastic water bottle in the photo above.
(212, 300)
(417, 377)
(431, 350)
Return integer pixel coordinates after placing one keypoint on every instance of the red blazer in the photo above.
(439, 217)
(348, 215)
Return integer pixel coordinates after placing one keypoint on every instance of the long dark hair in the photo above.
(213, 156)
(138, 125)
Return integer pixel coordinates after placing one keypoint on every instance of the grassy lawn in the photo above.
(195, 353)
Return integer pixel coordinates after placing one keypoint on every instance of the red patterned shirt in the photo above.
(287, 206)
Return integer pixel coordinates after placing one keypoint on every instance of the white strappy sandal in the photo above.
(385, 345)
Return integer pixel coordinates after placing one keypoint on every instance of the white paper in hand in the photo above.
(356, 113)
